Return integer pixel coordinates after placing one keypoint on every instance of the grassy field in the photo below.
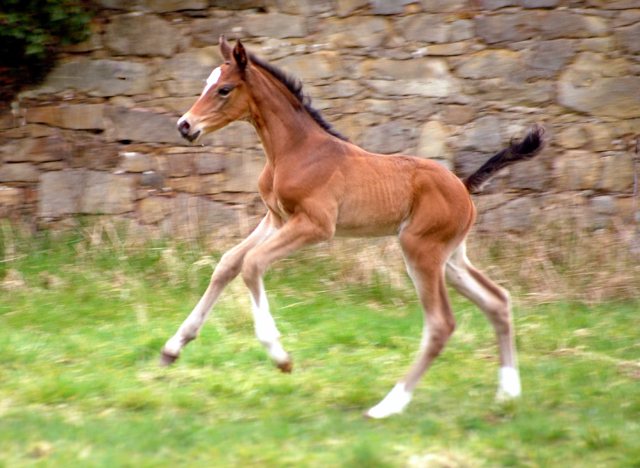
(82, 322)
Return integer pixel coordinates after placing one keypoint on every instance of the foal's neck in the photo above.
(282, 123)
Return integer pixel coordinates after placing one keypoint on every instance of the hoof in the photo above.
(286, 367)
(166, 359)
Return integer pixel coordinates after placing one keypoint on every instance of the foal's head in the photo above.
(224, 99)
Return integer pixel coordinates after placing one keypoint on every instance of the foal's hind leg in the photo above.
(227, 269)
(494, 302)
(425, 262)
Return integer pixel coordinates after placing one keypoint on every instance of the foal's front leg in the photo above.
(298, 232)
(227, 269)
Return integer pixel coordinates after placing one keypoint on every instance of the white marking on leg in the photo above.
(397, 399)
(173, 346)
(509, 386)
(266, 330)
(212, 80)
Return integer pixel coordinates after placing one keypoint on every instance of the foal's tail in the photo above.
(528, 148)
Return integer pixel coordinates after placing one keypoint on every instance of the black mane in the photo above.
(294, 85)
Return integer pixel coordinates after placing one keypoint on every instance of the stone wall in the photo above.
(451, 80)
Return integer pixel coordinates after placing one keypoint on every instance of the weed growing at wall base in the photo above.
(82, 321)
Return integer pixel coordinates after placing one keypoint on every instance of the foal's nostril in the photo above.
(183, 128)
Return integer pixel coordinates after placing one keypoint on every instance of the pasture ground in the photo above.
(82, 320)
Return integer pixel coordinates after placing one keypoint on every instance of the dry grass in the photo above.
(559, 261)
(562, 262)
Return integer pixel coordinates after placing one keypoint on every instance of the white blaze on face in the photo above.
(212, 80)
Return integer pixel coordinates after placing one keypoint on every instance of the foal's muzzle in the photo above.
(184, 128)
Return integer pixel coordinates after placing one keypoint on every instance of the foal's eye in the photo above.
(225, 90)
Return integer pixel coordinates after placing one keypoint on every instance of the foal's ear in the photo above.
(225, 49)
(240, 56)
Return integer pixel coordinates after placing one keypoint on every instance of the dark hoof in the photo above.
(286, 367)
(166, 359)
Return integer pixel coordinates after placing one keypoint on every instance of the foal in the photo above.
(316, 184)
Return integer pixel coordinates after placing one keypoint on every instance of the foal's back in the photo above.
(382, 194)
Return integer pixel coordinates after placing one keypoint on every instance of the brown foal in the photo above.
(316, 184)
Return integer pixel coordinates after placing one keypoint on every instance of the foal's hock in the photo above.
(316, 184)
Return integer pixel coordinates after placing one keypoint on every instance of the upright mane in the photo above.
(294, 85)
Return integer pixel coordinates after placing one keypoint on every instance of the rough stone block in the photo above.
(97, 78)
(442, 6)
(60, 192)
(600, 136)
(275, 25)
(345, 7)
(180, 165)
(584, 88)
(514, 216)
(387, 138)
(193, 216)
(166, 6)
(19, 172)
(307, 8)
(416, 69)
(427, 87)
(356, 31)
(208, 163)
(106, 193)
(482, 135)
(132, 161)
(539, 3)
(77, 117)
(573, 137)
(613, 4)
(425, 27)
(458, 115)
(387, 7)
(549, 57)
(617, 172)
(8, 120)
(209, 30)
(94, 154)
(536, 94)
(152, 179)
(136, 34)
(601, 211)
(629, 38)
(11, 196)
(627, 17)
(144, 126)
(493, 4)
(152, 210)
(312, 67)
(492, 63)
(432, 142)
(450, 49)
(190, 184)
(557, 24)
(36, 150)
(514, 27)
(239, 4)
(577, 170)
(530, 175)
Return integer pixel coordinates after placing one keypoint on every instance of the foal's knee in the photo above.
(227, 269)
(252, 270)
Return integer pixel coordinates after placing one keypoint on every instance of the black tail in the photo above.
(528, 148)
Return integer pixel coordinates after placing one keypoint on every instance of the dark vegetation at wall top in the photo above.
(30, 33)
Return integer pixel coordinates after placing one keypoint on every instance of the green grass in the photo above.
(81, 327)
